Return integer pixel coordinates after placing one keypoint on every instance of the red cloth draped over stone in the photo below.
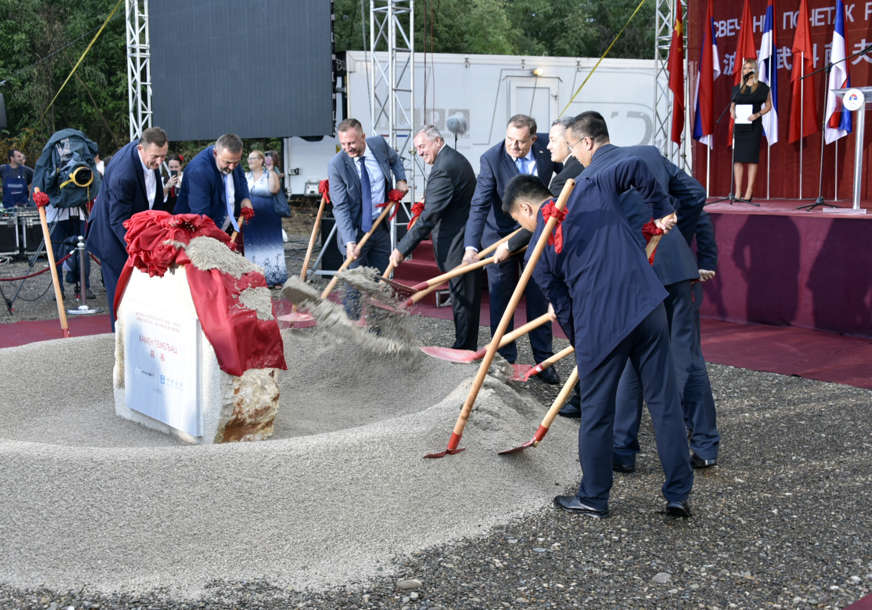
(241, 340)
(549, 210)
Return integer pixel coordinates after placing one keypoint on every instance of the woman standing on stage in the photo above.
(754, 96)
(263, 233)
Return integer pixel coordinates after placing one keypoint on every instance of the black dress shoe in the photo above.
(678, 509)
(624, 467)
(549, 376)
(570, 410)
(574, 505)
(698, 462)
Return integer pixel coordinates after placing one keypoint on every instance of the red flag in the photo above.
(745, 49)
(676, 75)
(803, 108)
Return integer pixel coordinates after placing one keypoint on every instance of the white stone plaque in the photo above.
(160, 339)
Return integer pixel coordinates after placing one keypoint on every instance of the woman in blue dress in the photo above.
(263, 234)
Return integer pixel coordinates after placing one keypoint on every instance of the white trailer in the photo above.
(486, 90)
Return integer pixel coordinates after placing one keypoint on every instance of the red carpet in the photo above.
(779, 349)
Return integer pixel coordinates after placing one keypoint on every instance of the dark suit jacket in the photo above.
(601, 284)
(345, 186)
(674, 261)
(203, 189)
(446, 207)
(121, 195)
(572, 167)
(497, 169)
(706, 246)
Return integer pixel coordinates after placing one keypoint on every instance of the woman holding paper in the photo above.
(751, 100)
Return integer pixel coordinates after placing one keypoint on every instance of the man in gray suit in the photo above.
(360, 177)
(450, 186)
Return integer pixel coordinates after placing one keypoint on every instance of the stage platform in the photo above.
(783, 266)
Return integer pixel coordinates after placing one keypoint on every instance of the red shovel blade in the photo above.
(537, 438)
(296, 319)
(433, 456)
(450, 450)
(522, 372)
(531, 443)
(399, 287)
(452, 355)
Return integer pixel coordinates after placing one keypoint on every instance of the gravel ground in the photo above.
(783, 521)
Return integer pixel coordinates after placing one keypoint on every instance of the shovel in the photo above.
(465, 355)
(535, 370)
(315, 228)
(558, 403)
(350, 259)
(49, 253)
(434, 282)
(425, 288)
(466, 409)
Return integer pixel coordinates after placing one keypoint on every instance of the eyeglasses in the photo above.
(574, 144)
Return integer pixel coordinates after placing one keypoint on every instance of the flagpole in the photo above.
(768, 166)
(708, 165)
(801, 119)
(836, 174)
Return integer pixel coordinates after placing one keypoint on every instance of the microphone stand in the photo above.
(826, 67)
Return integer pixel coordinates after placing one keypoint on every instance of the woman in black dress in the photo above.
(746, 136)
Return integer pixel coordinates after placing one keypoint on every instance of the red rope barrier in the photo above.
(24, 277)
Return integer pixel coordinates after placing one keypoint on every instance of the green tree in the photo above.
(40, 42)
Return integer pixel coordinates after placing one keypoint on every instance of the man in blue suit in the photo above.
(674, 264)
(607, 297)
(521, 153)
(360, 178)
(215, 184)
(131, 184)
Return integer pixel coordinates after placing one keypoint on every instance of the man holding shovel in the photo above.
(520, 153)
(608, 298)
(359, 177)
(450, 186)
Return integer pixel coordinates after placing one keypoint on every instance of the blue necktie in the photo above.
(366, 196)
(522, 165)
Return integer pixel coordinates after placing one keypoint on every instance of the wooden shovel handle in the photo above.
(348, 260)
(434, 283)
(315, 228)
(508, 315)
(524, 329)
(49, 252)
(497, 244)
(389, 270)
(235, 234)
(561, 399)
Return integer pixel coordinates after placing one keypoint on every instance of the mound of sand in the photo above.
(91, 499)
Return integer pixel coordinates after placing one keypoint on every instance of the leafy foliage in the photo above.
(41, 40)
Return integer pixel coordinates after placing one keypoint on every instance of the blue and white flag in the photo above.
(838, 123)
(767, 67)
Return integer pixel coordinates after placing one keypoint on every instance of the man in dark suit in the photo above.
(131, 184)
(699, 403)
(674, 265)
(609, 300)
(215, 184)
(520, 153)
(450, 186)
(360, 178)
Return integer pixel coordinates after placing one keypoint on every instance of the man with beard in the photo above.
(215, 184)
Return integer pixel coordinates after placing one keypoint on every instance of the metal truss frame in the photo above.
(664, 22)
(392, 82)
(138, 66)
